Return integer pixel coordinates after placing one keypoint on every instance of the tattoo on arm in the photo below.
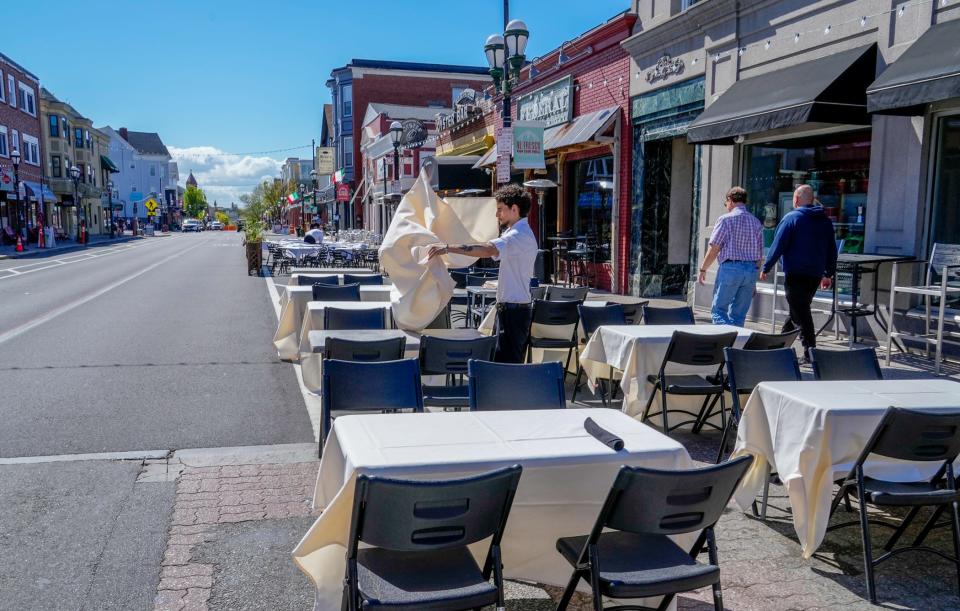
(466, 247)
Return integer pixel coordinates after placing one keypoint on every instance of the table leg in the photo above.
(853, 307)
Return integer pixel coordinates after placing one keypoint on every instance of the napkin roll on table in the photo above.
(603, 435)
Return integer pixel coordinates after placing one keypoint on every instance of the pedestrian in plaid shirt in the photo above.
(737, 242)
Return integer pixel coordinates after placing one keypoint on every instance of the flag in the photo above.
(293, 197)
(338, 176)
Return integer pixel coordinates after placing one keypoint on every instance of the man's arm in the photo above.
(708, 260)
(780, 241)
(471, 250)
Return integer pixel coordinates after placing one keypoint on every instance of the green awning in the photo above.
(105, 161)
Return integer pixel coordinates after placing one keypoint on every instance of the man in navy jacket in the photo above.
(806, 241)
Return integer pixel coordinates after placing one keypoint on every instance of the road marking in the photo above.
(106, 251)
(36, 322)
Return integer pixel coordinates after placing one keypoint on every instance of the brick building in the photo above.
(19, 131)
(363, 81)
(581, 93)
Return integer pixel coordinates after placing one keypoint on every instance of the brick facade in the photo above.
(14, 119)
(600, 68)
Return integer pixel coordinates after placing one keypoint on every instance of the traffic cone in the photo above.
(19, 243)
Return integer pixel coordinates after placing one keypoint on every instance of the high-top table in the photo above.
(812, 432)
(566, 476)
(637, 351)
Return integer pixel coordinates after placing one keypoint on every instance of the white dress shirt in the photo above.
(517, 254)
(317, 235)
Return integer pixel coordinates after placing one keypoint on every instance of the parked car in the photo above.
(216, 226)
(191, 225)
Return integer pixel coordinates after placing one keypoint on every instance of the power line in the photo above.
(250, 154)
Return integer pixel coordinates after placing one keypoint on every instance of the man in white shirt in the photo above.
(315, 235)
(516, 250)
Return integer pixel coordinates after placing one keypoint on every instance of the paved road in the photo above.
(161, 343)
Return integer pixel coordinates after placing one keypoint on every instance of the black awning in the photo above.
(831, 89)
(456, 172)
(928, 71)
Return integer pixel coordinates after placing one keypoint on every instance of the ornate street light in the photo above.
(113, 232)
(75, 175)
(303, 217)
(396, 133)
(313, 193)
(15, 158)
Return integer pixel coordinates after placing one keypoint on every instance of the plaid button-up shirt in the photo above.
(739, 235)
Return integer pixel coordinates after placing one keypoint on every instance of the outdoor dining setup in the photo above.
(444, 472)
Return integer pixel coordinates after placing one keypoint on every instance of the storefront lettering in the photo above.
(665, 66)
(550, 104)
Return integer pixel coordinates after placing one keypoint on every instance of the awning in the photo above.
(34, 190)
(831, 89)
(588, 128)
(928, 71)
(489, 158)
(109, 165)
(458, 172)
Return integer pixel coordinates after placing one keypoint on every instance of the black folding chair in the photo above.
(329, 292)
(771, 341)
(592, 319)
(343, 349)
(416, 535)
(572, 293)
(857, 364)
(629, 552)
(907, 435)
(507, 386)
(668, 316)
(306, 280)
(341, 319)
(690, 349)
(633, 312)
(363, 279)
(387, 386)
(449, 357)
(553, 314)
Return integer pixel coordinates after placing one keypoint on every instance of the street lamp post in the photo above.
(15, 158)
(505, 55)
(396, 133)
(113, 232)
(313, 193)
(303, 215)
(75, 175)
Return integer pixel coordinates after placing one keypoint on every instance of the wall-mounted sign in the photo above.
(465, 109)
(414, 134)
(343, 193)
(528, 145)
(551, 104)
(664, 67)
(325, 157)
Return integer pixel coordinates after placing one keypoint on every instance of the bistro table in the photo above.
(566, 476)
(313, 316)
(293, 307)
(295, 277)
(811, 433)
(637, 351)
(858, 264)
(312, 362)
(326, 271)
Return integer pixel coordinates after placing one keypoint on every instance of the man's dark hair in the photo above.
(514, 195)
(737, 195)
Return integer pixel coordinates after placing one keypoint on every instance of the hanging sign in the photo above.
(325, 157)
(414, 134)
(343, 193)
(528, 145)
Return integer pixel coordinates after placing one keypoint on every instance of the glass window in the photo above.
(945, 221)
(78, 137)
(836, 166)
(348, 152)
(55, 168)
(153, 170)
(83, 173)
(3, 96)
(54, 126)
(592, 214)
(347, 100)
(456, 94)
(4, 148)
(86, 135)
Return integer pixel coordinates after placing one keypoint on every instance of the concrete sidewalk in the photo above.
(31, 250)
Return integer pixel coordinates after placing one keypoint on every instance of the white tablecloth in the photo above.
(326, 271)
(293, 306)
(566, 477)
(312, 362)
(811, 433)
(313, 316)
(637, 351)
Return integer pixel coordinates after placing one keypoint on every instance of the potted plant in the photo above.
(253, 239)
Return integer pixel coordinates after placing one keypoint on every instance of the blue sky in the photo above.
(248, 76)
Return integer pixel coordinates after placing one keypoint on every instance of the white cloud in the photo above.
(222, 177)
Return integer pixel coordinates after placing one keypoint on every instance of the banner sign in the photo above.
(528, 145)
(552, 104)
(343, 193)
(325, 158)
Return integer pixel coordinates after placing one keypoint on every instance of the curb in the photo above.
(57, 250)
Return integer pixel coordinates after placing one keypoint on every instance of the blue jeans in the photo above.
(733, 292)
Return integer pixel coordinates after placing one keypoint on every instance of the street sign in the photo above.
(151, 205)
(343, 193)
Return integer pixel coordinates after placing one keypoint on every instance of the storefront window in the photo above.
(945, 225)
(836, 166)
(593, 204)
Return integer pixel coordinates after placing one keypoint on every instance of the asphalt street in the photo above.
(163, 343)
(154, 344)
